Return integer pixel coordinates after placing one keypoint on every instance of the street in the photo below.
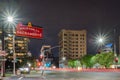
(64, 75)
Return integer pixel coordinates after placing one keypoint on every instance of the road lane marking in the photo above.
(20, 78)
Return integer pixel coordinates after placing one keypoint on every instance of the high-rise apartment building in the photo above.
(20, 43)
(21, 46)
(13, 44)
(73, 44)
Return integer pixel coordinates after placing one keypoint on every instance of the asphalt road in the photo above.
(84, 76)
(63, 75)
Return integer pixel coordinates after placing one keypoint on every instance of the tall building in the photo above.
(72, 44)
(21, 46)
(20, 43)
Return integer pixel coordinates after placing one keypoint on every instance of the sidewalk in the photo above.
(4, 78)
(7, 75)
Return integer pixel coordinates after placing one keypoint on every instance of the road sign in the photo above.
(29, 31)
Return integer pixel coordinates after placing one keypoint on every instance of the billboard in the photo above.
(29, 31)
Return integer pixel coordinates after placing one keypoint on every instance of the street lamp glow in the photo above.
(29, 64)
(10, 19)
(64, 58)
(100, 40)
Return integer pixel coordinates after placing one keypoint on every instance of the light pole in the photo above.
(114, 49)
(114, 45)
(10, 19)
(3, 62)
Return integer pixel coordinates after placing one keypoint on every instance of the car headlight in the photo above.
(26, 69)
(21, 69)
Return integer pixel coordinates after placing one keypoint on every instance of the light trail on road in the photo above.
(79, 70)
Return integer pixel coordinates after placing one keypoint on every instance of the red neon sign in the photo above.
(29, 31)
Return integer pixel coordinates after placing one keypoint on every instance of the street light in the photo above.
(100, 41)
(64, 58)
(10, 20)
(114, 46)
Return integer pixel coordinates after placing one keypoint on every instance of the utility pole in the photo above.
(115, 42)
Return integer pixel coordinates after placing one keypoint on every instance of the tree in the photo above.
(85, 60)
(74, 63)
(71, 63)
(77, 63)
(119, 59)
(93, 60)
(104, 59)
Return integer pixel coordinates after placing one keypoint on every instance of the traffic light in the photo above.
(41, 58)
(116, 60)
(39, 64)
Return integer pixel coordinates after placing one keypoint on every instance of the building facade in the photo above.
(73, 44)
(21, 46)
(20, 43)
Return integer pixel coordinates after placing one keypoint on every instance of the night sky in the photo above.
(97, 16)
